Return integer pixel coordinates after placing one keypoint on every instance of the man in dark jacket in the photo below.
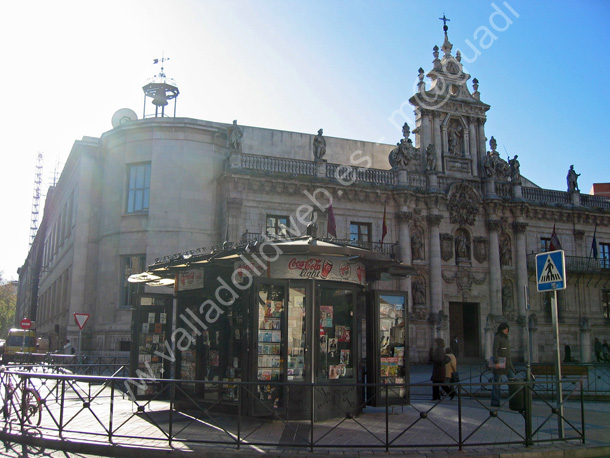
(502, 364)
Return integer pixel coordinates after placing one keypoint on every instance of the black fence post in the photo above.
(110, 425)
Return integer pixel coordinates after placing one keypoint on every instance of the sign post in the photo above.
(81, 319)
(551, 276)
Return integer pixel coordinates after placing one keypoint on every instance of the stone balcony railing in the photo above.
(391, 178)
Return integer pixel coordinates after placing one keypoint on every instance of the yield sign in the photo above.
(551, 271)
(81, 319)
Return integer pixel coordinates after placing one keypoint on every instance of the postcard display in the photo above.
(270, 314)
(392, 338)
(152, 337)
(336, 320)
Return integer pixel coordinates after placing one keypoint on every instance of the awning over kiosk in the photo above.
(376, 266)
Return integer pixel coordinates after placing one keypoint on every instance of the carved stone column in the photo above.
(426, 134)
(495, 275)
(474, 151)
(434, 259)
(519, 229)
(438, 140)
(405, 254)
(481, 137)
(585, 340)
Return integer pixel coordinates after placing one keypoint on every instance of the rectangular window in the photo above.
(360, 232)
(130, 265)
(606, 304)
(545, 244)
(138, 191)
(276, 225)
(604, 255)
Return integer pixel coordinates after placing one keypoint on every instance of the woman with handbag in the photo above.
(451, 372)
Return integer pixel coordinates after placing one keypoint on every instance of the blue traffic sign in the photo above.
(551, 271)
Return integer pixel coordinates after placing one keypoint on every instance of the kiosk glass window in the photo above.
(336, 315)
(392, 338)
(270, 315)
(297, 333)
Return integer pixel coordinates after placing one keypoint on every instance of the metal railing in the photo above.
(106, 410)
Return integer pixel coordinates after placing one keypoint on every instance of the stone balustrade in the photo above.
(296, 167)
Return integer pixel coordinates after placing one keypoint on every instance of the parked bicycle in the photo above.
(21, 402)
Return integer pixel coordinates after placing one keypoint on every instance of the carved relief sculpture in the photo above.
(463, 205)
(446, 247)
(480, 249)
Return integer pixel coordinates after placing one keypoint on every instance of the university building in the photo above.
(373, 250)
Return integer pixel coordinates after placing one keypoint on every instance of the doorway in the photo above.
(464, 324)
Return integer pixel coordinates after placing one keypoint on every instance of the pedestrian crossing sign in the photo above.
(551, 271)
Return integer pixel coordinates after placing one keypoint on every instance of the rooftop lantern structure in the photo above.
(161, 90)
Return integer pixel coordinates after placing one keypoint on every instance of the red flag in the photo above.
(384, 226)
(331, 225)
(555, 243)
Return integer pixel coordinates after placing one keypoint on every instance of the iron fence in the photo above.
(189, 414)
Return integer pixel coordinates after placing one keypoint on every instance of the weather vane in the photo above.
(162, 60)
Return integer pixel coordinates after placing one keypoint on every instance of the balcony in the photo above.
(388, 249)
(577, 264)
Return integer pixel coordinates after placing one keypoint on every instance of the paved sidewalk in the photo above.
(86, 422)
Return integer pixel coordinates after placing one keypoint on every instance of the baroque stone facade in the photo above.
(453, 210)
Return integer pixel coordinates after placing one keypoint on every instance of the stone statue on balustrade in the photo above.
(234, 136)
(405, 152)
(515, 173)
(494, 166)
(319, 146)
(572, 179)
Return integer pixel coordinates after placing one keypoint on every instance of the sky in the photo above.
(344, 66)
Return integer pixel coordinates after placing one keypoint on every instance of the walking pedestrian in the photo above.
(439, 359)
(450, 369)
(455, 346)
(597, 346)
(567, 353)
(502, 363)
(605, 351)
